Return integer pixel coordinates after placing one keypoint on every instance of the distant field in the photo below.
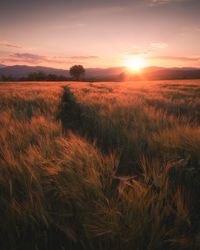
(100, 166)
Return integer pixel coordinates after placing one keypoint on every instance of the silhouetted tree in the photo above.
(6, 78)
(37, 76)
(77, 72)
(42, 76)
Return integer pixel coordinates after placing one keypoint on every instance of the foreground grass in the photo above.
(100, 166)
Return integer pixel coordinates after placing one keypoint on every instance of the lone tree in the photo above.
(77, 72)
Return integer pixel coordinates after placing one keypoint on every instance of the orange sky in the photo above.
(100, 33)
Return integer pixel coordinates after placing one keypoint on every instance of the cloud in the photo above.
(177, 58)
(164, 2)
(35, 59)
(159, 2)
(159, 45)
(10, 45)
(84, 57)
(136, 50)
(32, 58)
(29, 56)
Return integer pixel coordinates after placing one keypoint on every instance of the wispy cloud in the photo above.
(164, 2)
(10, 45)
(32, 58)
(159, 45)
(35, 59)
(177, 58)
(29, 56)
(84, 57)
(137, 50)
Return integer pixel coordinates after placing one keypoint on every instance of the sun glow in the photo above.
(135, 63)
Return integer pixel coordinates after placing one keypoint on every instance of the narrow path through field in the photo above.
(107, 135)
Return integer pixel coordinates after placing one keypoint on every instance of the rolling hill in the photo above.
(150, 73)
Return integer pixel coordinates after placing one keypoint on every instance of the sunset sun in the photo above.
(135, 63)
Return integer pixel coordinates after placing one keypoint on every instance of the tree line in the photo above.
(76, 72)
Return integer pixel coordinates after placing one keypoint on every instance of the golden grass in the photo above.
(123, 173)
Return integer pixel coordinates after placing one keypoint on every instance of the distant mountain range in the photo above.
(2, 66)
(171, 73)
(23, 70)
(19, 71)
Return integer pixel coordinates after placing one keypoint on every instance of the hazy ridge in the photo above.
(18, 71)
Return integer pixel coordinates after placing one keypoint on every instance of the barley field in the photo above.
(100, 166)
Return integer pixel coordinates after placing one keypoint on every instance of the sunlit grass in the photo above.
(100, 165)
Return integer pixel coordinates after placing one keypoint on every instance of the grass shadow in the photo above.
(107, 135)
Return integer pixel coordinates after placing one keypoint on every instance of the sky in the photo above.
(99, 33)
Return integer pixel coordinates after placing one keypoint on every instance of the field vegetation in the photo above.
(100, 166)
